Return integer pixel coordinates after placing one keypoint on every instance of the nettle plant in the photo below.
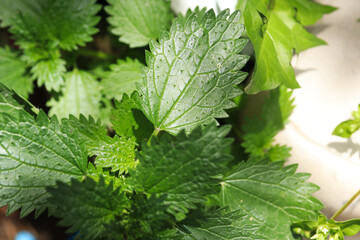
(164, 168)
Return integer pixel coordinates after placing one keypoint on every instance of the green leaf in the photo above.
(80, 96)
(13, 104)
(259, 132)
(183, 168)
(49, 72)
(271, 194)
(309, 12)
(275, 31)
(122, 78)
(119, 155)
(128, 119)
(12, 72)
(138, 21)
(34, 154)
(217, 225)
(88, 206)
(192, 71)
(68, 23)
(346, 128)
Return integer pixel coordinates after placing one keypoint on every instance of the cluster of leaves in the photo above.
(167, 172)
(346, 128)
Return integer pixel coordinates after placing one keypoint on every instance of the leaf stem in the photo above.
(345, 205)
(96, 54)
(154, 134)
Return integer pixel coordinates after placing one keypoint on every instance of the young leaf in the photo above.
(69, 23)
(192, 71)
(346, 128)
(259, 132)
(255, 187)
(49, 72)
(80, 96)
(275, 30)
(138, 21)
(117, 153)
(13, 104)
(12, 72)
(35, 154)
(128, 119)
(122, 78)
(184, 168)
(88, 206)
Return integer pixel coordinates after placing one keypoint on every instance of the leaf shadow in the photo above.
(343, 147)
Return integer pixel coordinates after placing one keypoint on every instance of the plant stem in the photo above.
(96, 54)
(345, 205)
(154, 134)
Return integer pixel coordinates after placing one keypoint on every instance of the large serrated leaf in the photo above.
(183, 168)
(138, 21)
(34, 154)
(192, 71)
(12, 72)
(88, 207)
(271, 194)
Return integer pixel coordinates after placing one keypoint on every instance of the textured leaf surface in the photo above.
(217, 225)
(12, 104)
(122, 78)
(119, 155)
(69, 23)
(183, 168)
(80, 96)
(88, 206)
(275, 28)
(192, 71)
(138, 21)
(128, 119)
(49, 72)
(271, 194)
(12, 72)
(34, 155)
(259, 132)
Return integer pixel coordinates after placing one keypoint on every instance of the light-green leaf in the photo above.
(128, 119)
(138, 21)
(183, 168)
(271, 194)
(192, 71)
(122, 78)
(12, 72)
(35, 154)
(49, 72)
(275, 31)
(88, 207)
(346, 128)
(80, 95)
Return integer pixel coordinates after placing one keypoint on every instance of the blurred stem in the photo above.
(345, 205)
(96, 54)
